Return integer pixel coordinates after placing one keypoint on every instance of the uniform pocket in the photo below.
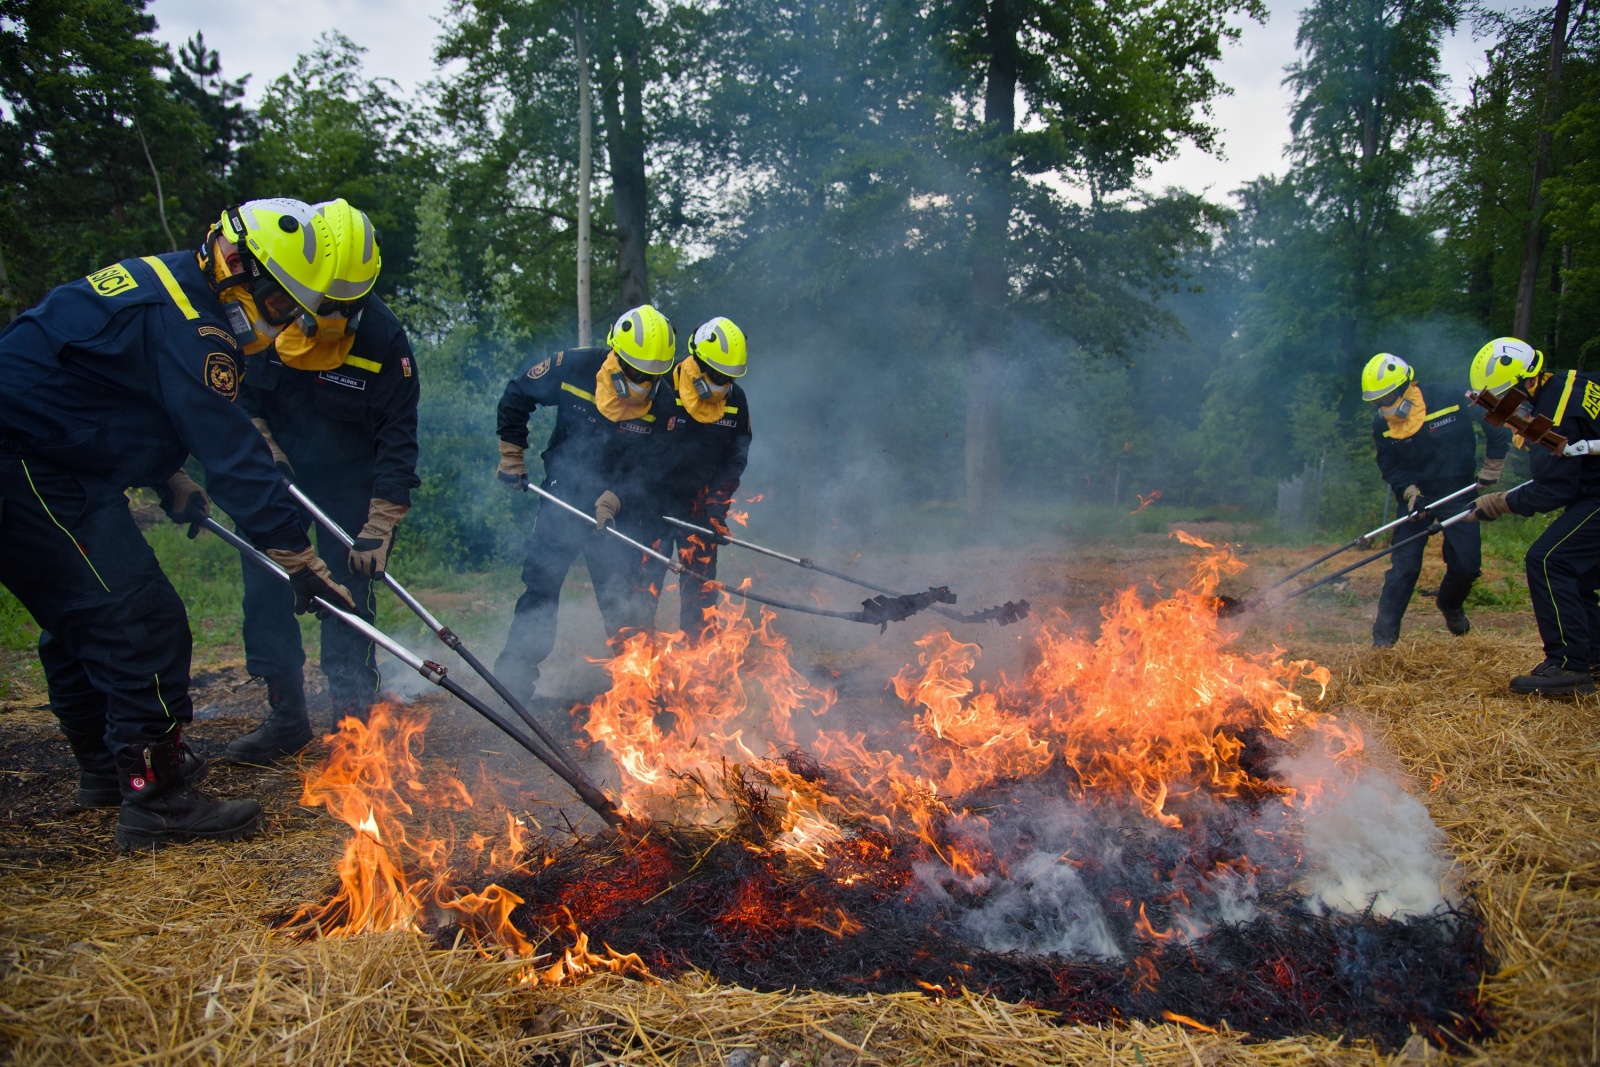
(339, 402)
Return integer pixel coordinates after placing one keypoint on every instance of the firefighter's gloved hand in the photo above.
(1413, 495)
(310, 578)
(1491, 472)
(370, 552)
(605, 510)
(1490, 506)
(188, 504)
(280, 458)
(513, 470)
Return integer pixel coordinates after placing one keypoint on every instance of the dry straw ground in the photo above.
(170, 959)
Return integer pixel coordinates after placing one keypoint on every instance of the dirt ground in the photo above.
(100, 953)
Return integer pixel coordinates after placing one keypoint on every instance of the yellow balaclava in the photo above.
(703, 402)
(253, 332)
(1404, 426)
(326, 349)
(635, 400)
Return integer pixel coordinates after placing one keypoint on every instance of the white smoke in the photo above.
(1366, 841)
(1044, 909)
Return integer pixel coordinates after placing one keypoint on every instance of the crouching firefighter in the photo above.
(111, 381)
(1557, 417)
(334, 394)
(1426, 450)
(603, 399)
(701, 456)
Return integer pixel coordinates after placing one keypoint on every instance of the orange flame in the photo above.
(1146, 501)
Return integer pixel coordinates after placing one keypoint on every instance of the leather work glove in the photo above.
(1412, 495)
(189, 502)
(1490, 506)
(310, 578)
(1491, 471)
(513, 470)
(605, 510)
(280, 458)
(370, 551)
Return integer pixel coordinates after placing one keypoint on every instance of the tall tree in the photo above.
(1106, 89)
(1367, 99)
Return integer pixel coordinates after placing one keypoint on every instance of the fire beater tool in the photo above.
(444, 633)
(1437, 526)
(880, 611)
(1009, 612)
(438, 674)
(1235, 607)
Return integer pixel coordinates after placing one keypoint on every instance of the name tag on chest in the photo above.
(335, 378)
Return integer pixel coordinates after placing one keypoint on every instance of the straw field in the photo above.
(171, 958)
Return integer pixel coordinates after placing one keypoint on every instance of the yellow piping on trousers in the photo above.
(62, 528)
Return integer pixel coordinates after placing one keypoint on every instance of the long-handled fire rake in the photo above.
(880, 611)
(439, 676)
(1437, 526)
(451, 640)
(1009, 612)
(1364, 541)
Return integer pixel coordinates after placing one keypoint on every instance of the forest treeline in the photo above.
(929, 216)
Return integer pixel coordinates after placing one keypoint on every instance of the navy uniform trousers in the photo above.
(1463, 562)
(115, 643)
(1563, 568)
(272, 643)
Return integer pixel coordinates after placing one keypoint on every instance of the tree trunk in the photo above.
(990, 277)
(585, 168)
(623, 102)
(1533, 231)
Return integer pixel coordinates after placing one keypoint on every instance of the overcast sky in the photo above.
(399, 36)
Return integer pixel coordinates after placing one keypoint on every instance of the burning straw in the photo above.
(169, 958)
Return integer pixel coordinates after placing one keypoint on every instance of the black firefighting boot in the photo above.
(97, 771)
(1553, 678)
(285, 730)
(159, 807)
(1453, 590)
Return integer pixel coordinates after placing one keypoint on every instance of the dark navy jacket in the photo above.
(354, 427)
(119, 376)
(698, 465)
(1441, 456)
(1572, 400)
(587, 452)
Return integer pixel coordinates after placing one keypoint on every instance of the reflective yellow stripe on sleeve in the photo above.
(1445, 411)
(568, 387)
(1566, 394)
(365, 364)
(174, 290)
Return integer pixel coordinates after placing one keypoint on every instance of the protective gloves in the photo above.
(280, 458)
(513, 471)
(370, 552)
(310, 578)
(189, 503)
(605, 510)
(1490, 506)
(1412, 495)
(1491, 471)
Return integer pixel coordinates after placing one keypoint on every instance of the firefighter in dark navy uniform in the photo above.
(112, 381)
(1563, 564)
(701, 457)
(1426, 449)
(603, 401)
(335, 397)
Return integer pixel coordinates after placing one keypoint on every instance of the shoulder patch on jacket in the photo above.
(1591, 400)
(112, 280)
(540, 369)
(405, 366)
(222, 374)
(226, 337)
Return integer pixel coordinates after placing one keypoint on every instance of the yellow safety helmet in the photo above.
(1503, 363)
(1383, 375)
(288, 239)
(644, 339)
(719, 344)
(356, 257)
